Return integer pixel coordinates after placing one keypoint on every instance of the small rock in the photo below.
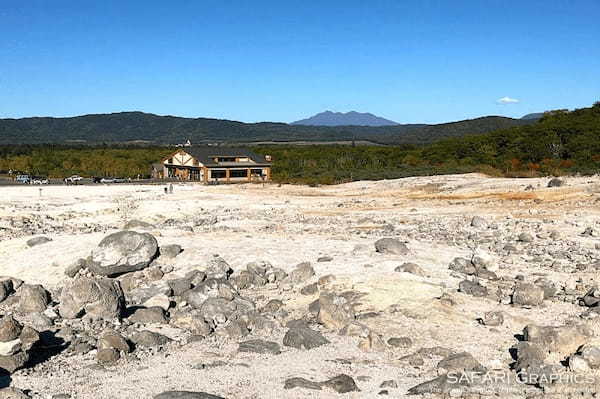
(299, 382)
(341, 384)
(32, 242)
(303, 337)
(411, 268)
(149, 338)
(528, 295)
(400, 342)
(148, 315)
(107, 356)
(170, 251)
(391, 246)
(555, 182)
(310, 289)
(260, 346)
(472, 288)
(492, 319)
(478, 222)
(186, 395)
(301, 273)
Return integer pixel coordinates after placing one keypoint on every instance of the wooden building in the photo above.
(214, 164)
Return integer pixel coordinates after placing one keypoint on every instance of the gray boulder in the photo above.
(101, 298)
(10, 329)
(301, 273)
(299, 382)
(460, 362)
(33, 298)
(32, 242)
(180, 285)
(260, 346)
(411, 268)
(303, 338)
(6, 288)
(138, 225)
(555, 182)
(478, 222)
(149, 338)
(528, 295)
(186, 395)
(472, 288)
(123, 252)
(341, 384)
(170, 251)
(218, 268)
(391, 246)
(439, 385)
(110, 339)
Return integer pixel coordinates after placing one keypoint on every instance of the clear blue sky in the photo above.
(409, 61)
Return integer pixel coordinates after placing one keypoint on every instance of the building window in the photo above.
(238, 173)
(256, 172)
(225, 159)
(170, 160)
(217, 174)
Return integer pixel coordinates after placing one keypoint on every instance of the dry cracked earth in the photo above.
(445, 286)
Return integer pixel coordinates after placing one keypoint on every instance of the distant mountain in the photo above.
(351, 118)
(143, 128)
(536, 115)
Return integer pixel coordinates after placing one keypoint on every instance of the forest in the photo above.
(561, 142)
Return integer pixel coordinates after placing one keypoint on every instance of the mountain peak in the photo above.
(351, 118)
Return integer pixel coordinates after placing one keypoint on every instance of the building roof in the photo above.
(206, 154)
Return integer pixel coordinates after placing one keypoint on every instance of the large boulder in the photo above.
(10, 329)
(15, 343)
(6, 288)
(123, 252)
(33, 298)
(100, 298)
(562, 340)
(528, 295)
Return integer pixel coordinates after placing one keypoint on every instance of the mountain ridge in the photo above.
(137, 126)
(351, 118)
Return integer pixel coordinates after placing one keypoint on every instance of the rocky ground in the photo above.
(458, 286)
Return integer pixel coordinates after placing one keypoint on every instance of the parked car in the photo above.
(96, 179)
(25, 179)
(39, 180)
(73, 179)
(107, 180)
(122, 180)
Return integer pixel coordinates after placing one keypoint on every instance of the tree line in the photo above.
(561, 142)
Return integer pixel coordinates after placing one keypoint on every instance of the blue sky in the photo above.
(409, 61)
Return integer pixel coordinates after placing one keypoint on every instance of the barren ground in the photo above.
(286, 225)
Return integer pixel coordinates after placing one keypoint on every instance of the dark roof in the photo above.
(206, 154)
